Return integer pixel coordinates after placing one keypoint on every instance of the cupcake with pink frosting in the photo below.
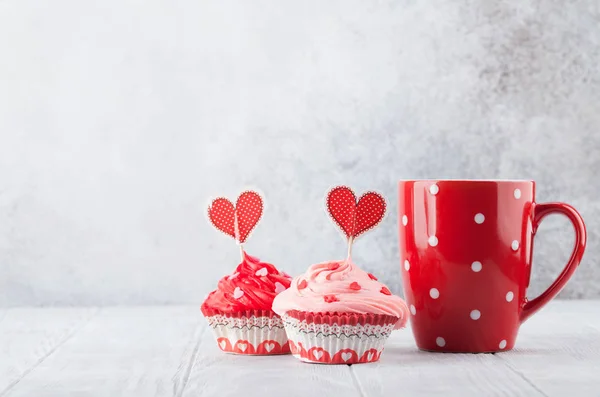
(336, 313)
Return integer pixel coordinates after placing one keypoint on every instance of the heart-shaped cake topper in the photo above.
(353, 216)
(222, 215)
(237, 221)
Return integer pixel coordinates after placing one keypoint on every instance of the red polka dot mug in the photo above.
(466, 249)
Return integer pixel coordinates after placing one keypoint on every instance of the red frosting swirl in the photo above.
(252, 286)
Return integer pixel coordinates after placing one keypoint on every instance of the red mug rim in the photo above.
(471, 180)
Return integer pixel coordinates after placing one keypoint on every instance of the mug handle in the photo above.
(540, 211)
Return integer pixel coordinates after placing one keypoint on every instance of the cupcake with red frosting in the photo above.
(240, 311)
(336, 313)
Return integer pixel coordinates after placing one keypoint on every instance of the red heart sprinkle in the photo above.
(330, 298)
(372, 277)
(302, 284)
(355, 286)
(333, 266)
(385, 291)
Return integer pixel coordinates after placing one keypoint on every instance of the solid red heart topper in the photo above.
(237, 221)
(352, 216)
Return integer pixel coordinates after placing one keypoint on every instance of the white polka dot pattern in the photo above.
(479, 218)
(476, 266)
(237, 221)
(221, 214)
(248, 209)
(517, 193)
(434, 293)
(433, 241)
(352, 216)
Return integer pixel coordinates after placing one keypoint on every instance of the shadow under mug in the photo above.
(466, 249)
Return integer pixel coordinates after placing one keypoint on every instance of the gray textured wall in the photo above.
(119, 119)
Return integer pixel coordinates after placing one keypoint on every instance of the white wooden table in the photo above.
(169, 351)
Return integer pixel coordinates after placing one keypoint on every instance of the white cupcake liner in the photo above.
(330, 344)
(249, 335)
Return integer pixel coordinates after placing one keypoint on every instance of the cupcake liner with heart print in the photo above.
(337, 338)
(254, 332)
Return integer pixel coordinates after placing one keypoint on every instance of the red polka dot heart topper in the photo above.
(355, 217)
(237, 221)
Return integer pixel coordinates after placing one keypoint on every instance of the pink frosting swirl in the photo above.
(340, 286)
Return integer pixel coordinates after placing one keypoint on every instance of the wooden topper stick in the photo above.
(350, 241)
